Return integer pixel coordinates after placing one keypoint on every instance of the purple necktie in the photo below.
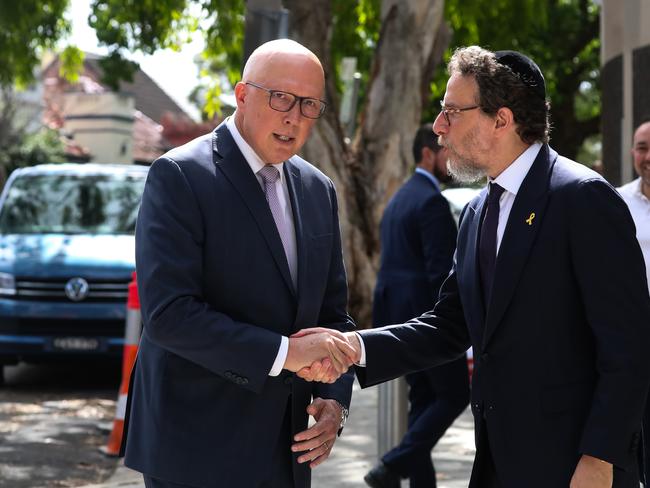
(488, 242)
(270, 175)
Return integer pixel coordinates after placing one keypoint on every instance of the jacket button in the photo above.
(484, 357)
(288, 380)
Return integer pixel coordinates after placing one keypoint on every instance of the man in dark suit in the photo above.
(238, 246)
(548, 286)
(418, 238)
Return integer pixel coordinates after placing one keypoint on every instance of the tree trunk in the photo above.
(367, 172)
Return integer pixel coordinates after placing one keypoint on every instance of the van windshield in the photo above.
(72, 204)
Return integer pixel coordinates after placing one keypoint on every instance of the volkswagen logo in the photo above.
(76, 289)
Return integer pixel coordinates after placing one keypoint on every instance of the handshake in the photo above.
(321, 354)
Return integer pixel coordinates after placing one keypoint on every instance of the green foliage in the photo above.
(71, 63)
(356, 25)
(145, 25)
(224, 38)
(19, 146)
(562, 36)
(44, 146)
(132, 25)
(27, 28)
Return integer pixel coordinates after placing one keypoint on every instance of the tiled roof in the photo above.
(150, 99)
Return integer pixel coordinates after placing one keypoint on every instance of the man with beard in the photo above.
(548, 286)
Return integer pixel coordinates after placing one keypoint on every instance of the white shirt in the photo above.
(639, 206)
(256, 164)
(510, 180)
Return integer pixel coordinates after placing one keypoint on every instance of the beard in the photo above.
(463, 169)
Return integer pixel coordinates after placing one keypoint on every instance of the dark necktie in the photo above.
(488, 242)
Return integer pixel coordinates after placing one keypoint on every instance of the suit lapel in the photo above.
(232, 164)
(475, 309)
(294, 184)
(519, 236)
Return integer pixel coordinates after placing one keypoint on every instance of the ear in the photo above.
(240, 94)
(504, 119)
(426, 154)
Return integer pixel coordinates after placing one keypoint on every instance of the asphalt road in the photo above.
(51, 420)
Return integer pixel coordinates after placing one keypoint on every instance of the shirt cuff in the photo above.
(280, 359)
(362, 359)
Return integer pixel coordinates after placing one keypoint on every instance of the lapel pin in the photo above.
(529, 220)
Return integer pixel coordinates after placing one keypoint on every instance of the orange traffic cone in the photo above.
(133, 328)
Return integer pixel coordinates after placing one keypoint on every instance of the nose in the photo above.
(440, 125)
(293, 116)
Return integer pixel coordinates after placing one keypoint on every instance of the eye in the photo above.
(281, 96)
(311, 103)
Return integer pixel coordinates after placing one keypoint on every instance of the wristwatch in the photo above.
(344, 414)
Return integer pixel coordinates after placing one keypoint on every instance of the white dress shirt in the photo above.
(510, 180)
(256, 164)
(639, 206)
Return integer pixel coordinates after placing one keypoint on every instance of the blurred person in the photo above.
(548, 286)
(418, 238)
(637, 196)
(238, 246)
(637, 193)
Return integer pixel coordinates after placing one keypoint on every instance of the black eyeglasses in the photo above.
(312, 108)
(451, 111)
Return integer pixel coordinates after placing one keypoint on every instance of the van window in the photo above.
(72, 204)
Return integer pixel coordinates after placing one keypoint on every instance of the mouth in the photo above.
(282, 138)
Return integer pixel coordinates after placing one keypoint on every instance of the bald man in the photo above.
(238, 247)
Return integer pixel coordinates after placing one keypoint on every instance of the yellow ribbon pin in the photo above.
(529, 220)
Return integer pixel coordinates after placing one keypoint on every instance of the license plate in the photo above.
(76, 343)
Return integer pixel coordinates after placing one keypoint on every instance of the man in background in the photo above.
(637, 196)
(418, 238)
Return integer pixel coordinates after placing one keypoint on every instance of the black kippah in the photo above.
(525, 69)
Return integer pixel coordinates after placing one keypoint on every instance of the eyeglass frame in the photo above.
(296, 99)
(447, 111)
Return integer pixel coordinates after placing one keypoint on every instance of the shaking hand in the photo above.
(322, 354)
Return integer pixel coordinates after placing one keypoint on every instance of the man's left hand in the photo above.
(592, 472)
(319, 439)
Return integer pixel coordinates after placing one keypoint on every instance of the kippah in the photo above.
(525, 69)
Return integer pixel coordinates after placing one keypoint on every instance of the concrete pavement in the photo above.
(355, 452)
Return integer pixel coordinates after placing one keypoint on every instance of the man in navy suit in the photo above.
(418, 238)
(548, 286)
(237, 247)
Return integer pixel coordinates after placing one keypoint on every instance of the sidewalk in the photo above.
(355, 452)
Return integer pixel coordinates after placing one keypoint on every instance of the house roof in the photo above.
(150, 99)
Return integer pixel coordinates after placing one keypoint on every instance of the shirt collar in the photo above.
(251, 157)
(637, 190)
(433, 179)
(513, 176)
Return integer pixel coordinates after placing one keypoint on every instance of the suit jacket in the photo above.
(560, 368)
(418, 238)
(216, 296)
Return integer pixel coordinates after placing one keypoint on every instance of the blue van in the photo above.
(67, 252)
